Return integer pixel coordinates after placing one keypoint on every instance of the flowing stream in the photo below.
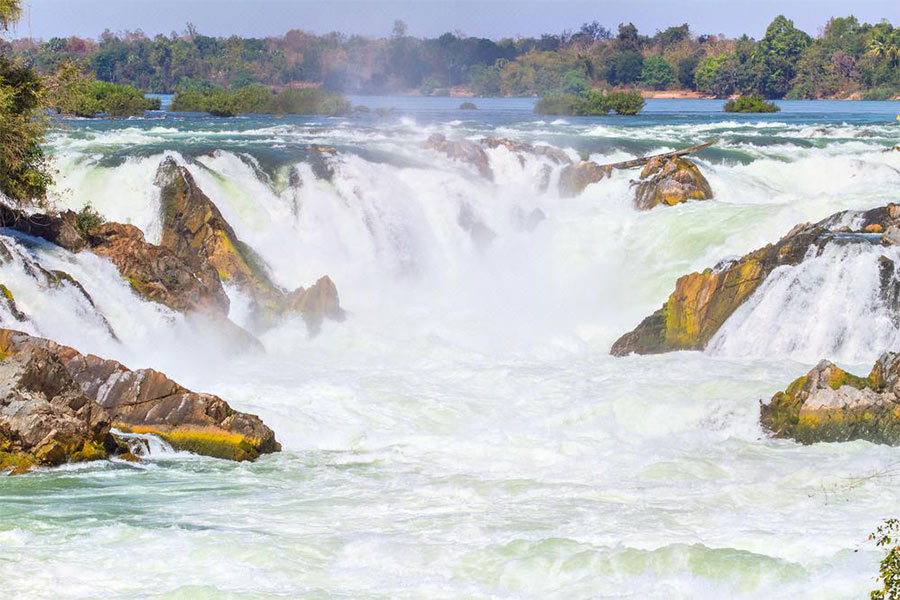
(465, 433)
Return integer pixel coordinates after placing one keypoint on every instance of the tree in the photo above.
(624, 67)
(775, 58)
(657, 73)
(24, 175)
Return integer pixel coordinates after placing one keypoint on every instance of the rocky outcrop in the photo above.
(59, 230)
(463, 151)
(195, 231)
(702, 302)
(155, 272)
(553, 154)
(670, 181)
(316, 303)
(45, 416)
(574, 178)
(830, 405)
(142, 401)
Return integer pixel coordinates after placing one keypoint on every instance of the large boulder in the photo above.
(195, 231)
(58, 229)
(670, 181)
(575, 177)
(45, 416)
(146, 401)
(462, 150)
(184, 284)
(702, 302)
(316, 303)
(830, 405)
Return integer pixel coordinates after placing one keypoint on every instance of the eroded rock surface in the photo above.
(462, 150)
(702, 302)
(830, 405)
(574, 178)
(142, 401)
(670, 181)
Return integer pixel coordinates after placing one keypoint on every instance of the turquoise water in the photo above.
(465, 434)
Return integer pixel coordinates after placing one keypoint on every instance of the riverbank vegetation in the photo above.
(846, 59)
(754, 103)
(220, 102)
(591, 103)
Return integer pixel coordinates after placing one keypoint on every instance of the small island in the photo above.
(257, 99)
(754, 103)
(591, 103)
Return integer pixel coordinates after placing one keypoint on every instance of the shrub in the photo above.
(467, 106)
(889, 570)
(753, 103)
(88, 219)
(626, 103)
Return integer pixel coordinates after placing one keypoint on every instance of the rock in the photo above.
(830, 405)
(59, 230)
(555, 155)
(702, 302)
(195, 230)
(146, 401)
(891, 236)
(184, 284)
(462, 150)
(574, 178)
(316, 303)
(670, 181)
(45, 417)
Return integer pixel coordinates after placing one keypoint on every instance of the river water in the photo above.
(465, 434)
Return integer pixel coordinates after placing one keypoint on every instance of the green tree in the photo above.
(776, 56)
(24, 175)
(624, 67)
(657, 73)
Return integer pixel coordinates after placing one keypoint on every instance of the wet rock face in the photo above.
(554, 155)
(155, 272)
(195, 232)
(574, 178)
(45, 417)
(670, 181)
(830, 405)
(316, 303)
(144, 401)
(59, 230)
(702, 302)
(463, 151)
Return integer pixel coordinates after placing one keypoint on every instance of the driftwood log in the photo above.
(639, 162)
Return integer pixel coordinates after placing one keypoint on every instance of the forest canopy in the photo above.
(846, 59)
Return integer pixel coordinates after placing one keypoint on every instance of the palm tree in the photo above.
(886, 45)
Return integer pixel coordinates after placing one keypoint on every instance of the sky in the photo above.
(428, 18)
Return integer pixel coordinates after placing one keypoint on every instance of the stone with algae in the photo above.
(108, 394)
(829, 404)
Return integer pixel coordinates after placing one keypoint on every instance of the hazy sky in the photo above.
(486, 18)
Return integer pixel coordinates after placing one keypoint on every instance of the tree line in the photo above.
(846, 59)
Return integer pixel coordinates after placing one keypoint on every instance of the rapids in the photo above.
(465, 434)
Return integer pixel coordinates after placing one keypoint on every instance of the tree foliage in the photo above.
(24, 176)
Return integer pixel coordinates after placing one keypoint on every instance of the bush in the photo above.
(88, 219)
(881, 93)
(467, 106)
(889, 569)
(753, 103)
(626, 103)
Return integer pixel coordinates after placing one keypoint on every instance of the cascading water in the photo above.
(465, 432)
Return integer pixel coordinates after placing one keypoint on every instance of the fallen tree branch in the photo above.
(639, 162)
